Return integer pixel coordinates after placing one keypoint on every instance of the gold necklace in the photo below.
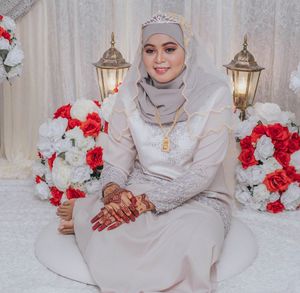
(166, 139)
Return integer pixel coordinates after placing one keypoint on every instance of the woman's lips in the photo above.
(161, 70)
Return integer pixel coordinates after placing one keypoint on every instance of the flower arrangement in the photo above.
(70, 152)
(268, 173)
(11, 55)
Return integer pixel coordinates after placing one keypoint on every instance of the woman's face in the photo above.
(163, 57)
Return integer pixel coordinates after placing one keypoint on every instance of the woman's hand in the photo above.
(143, 204)
(106, 217)
(121, 201)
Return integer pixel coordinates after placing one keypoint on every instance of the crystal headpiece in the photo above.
(161, 18)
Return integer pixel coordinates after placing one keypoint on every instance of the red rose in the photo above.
(97, 103)
(257, 132)
(294, 143)
(38, 179)
(74, 193)
(282, 158)
(51, 161)
(275, 207)
(91, 127)
(246, 142)
(291, 172)
(94, 157)
(72, 123)
(1, 17)
(6, 35)
(63, 112)
(281, 145)
(247, 158)
(277, 132)
(40, 155)
(105, 127)
(94, 116)
(56, 195)
(277, 181)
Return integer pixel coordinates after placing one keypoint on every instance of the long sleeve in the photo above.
(208, 157)
(111, 173)
(120, 150)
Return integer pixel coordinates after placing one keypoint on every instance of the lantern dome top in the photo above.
(112, 58)
(244, 60)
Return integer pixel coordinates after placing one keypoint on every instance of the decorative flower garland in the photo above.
(268, 175)
(11, 55)
(70, 151)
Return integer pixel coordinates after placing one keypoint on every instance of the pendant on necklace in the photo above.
(166, 144)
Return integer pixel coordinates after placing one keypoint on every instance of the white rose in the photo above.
(80, 141)
(80, 174)
(264, 148)
(241, 175)
(287, 117)
(295, 80)
(295, 160)
(268, 112)
(107, 106)
(62, 145)
(48, 176)
(270, 165)
(38, 168)
(86, 144)
(291, 197)
(45, 146)
(61, 174)
(4, 44)
(93, 186)
(261, 193)
(15, 72)
(75, 157)
(82, 108)
(54, 129)
(8, 23)
(42, 190)
(255, 175)
(242, 194)
(14, 57)
(244, 128)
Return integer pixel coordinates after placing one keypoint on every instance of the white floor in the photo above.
(23, 216)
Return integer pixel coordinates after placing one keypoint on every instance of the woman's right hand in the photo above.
(121, 201)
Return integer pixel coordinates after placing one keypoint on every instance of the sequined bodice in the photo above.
(148, 140)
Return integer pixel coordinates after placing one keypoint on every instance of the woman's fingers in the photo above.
(127, 212)
(122, 215)
(115, 225)
(134, 210)
(106, 223)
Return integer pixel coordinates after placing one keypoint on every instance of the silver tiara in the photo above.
(160, 18)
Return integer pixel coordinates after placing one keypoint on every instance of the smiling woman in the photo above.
(163, 58)
(165, 205)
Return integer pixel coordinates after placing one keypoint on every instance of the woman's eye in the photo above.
(170, 50)
(149, 51)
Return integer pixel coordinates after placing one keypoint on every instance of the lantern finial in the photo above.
(112, 42)
(245, 45)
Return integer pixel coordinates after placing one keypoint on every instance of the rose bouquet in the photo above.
(11, 55)
(268, 174)
(70, 152)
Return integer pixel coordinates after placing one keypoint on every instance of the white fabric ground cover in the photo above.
(23, 216)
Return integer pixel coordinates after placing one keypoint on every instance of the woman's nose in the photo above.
(159, 57)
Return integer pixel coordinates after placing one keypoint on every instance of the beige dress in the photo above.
(175, 248)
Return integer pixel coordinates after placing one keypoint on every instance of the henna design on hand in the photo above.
(145, 201)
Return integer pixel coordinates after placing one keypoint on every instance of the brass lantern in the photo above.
(244, 73)
(111, 69)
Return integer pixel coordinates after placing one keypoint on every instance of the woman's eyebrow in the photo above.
(164, 44)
